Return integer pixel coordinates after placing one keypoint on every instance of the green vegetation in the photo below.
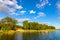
(9, 23)
(36, 26)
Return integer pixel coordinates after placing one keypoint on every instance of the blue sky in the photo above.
(41, 11)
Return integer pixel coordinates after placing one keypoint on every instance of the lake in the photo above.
(53, 35)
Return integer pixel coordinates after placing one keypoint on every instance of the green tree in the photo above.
(36, 26)
(9, 22)
(52, 27)
(25, 24)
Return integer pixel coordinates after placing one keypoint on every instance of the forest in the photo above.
(9, 23)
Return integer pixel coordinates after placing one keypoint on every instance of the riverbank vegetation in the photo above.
(9, 23)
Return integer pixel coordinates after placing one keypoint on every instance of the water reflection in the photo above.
(7, 37)
(54, 35)
(19, 36)
(30, 36)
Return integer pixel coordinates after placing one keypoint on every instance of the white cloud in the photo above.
(32, 12)
(18, 7)
(48, 23)
(8, 2)
(16, 14)
(40, 14)
(7, 6)
(5, 9)
(1, 0)
(23, 11)
(36, 17)
(42, 3)
(21, 20)
(0, 19)
(58, 6)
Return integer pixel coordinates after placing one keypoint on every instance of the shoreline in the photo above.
(11, 32)
(33, 30)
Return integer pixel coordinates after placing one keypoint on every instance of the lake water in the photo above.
(53, 35)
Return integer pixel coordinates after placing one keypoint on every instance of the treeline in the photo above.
(9, 23)
(36, 26)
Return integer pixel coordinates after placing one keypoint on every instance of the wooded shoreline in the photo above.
(21, 31)
(9, 25)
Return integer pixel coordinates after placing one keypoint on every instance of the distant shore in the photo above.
(10, 32)
(34, 30)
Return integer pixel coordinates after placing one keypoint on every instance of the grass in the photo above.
(11, 32)
(34, 30)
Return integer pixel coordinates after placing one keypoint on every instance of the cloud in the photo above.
(7, 2)
(32, 12)
(40, 14)
(21, 20)
(18, 7)
(4, 9)
(14, 14)
(42, 3)
(0, 19)
(22, 11)
(48, 23)
(7, 6)
(58, 7)
(19, 13)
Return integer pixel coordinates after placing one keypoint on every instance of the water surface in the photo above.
(53, 35)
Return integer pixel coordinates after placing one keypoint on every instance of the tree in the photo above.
(36, 26)
(25, 24)
(52, 27)
(8, 22)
